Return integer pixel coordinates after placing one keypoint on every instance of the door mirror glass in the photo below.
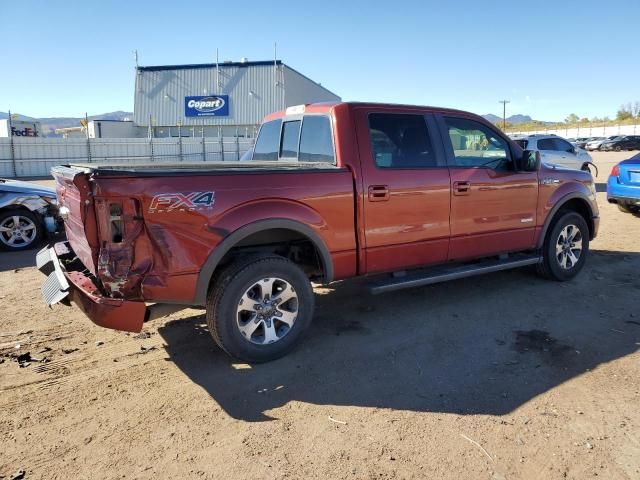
(528, 162)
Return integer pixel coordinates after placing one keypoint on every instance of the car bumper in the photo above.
(620, 193)
(63, 286)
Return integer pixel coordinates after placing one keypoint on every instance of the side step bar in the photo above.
(444, 274)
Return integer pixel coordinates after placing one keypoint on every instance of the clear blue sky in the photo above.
(549, 58)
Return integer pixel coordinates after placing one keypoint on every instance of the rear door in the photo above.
(406, 188)
(493, 208)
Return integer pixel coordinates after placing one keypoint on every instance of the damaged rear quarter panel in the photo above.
(160, 261)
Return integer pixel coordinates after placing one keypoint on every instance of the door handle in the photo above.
(378, 193)
(461, 188)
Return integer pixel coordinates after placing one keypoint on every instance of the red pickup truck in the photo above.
(406, 195)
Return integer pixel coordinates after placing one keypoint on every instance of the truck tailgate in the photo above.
(74, 193)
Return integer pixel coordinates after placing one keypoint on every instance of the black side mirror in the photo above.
(528, 162)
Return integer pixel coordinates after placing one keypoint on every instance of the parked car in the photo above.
(405, 195)
(597, 141)
(623, 186)
(27, 213)
(582, 141)
(624, 142)
(556, 150)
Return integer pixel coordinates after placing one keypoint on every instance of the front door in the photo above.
(493, 208)
(405, 187)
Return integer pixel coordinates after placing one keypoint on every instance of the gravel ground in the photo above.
(497, 377)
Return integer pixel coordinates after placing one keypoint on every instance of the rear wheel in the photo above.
(565, 247)
(19, 229)
(258, 308)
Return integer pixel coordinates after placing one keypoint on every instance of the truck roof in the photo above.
(327, 107)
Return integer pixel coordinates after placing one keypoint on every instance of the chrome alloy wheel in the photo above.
(18, 231)
(267, 311)
(569, 247)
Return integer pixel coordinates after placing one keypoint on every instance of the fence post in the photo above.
(12, 148)
(180, 141)
(204, 148)
(86, 127)
(221, 143)
(237, 145)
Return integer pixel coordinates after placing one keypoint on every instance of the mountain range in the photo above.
(512, 119)
(49, 124)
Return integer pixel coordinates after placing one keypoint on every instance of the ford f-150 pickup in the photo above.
(406, 195)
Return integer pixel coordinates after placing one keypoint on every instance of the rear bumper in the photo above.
(620, 193)
(64, 285)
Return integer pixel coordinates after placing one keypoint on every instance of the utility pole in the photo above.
(504, 113)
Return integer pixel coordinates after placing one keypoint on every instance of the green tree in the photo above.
(624, 113)
(572, 118)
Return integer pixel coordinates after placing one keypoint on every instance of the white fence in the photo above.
(34, 157)
(586, 131)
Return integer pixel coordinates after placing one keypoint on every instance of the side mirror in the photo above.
(528, 162)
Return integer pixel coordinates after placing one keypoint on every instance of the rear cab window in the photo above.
(266, 148)
(305, 139)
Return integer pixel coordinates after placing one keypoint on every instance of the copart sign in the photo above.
(208, 106)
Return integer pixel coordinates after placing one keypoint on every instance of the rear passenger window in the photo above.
(266, 147)
(476, 145)
(546, 144)
(400, 141)
(290, 134)
(316, 144)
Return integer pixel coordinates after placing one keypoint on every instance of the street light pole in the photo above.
(504, 113)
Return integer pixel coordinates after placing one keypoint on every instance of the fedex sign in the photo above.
(19, 128)
(180, 202)
(25, 132)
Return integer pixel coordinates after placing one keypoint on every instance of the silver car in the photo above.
(555, 150)
(28, 212)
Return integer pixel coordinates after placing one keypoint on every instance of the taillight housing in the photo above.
(615, 171)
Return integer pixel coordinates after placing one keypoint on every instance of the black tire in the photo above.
(624, 208)
(617, 149)
(585, 168)
(24, 216)
(225, 295)
(551, 267)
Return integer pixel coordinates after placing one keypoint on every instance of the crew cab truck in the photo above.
(406, 195)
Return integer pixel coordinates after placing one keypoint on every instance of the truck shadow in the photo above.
(25, 258)
(482, 345)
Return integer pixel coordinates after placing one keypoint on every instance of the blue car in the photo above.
(623, 186)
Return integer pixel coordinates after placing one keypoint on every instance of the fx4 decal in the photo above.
(169, 202)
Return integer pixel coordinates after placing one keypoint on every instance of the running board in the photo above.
(444, 274)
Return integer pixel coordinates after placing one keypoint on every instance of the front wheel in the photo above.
(258, 308)
(565, 248)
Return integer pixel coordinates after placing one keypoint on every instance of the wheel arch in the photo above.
(576, 202)
(236, 239)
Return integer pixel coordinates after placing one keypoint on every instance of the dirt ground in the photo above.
(497, 377)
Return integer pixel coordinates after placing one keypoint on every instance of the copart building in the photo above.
(219, 99)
